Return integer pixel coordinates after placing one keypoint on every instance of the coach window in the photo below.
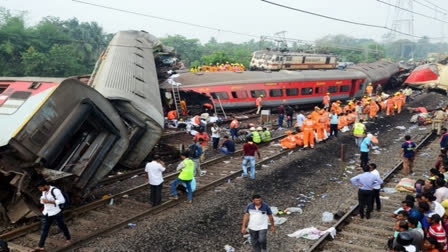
(239, 94)
(14, 102)
(292, 91)
(275, 93)
(344, 88)
(332, 89)
(257, 93)
(306, 91)
(319, 90)
(220, 95)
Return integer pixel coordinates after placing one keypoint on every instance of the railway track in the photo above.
(94, 219)
(355, 234)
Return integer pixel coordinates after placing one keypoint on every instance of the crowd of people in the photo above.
(227, 67)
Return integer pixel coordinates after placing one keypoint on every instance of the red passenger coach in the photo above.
(241, 89)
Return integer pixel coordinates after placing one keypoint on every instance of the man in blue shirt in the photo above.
(333, 124)
(228, 146)
(365, 148)
(444, 139)
(366, 182)
(408, 153)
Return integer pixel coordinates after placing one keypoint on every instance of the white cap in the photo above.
(259, 128)
(252, 129)
(369, 135)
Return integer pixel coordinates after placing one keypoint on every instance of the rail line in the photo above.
(344, 222)
(93, 215)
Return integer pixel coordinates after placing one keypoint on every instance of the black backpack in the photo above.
(64, 205)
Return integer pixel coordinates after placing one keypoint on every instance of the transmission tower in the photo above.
(403, 22)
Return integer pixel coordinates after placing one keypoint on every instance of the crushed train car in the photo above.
(74, 134)
(429, 76)
(60, 129)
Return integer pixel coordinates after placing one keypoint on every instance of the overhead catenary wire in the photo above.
(341, 20)
(215, 28)
(413, 12)
(435, 5)
(432, 8)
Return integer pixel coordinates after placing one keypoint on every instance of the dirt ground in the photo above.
(316, 180)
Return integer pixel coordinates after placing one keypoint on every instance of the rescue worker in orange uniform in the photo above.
(342, 121)
(338, 108)
(258, 103)
(363, 100)
(326, 102)
(398, 102)
(289, 142)
(374, 108)
(351, 117)
(315, 114)
(321, 127)
(183, 107)
(349, 107)
(369, 90)
(366, 110)
(308, 127)
(299, 137)
(172, 115)
(390, 104)
(234, 128)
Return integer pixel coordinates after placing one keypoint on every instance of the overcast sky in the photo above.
(244, 16)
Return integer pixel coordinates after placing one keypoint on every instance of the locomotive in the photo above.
(286, 60)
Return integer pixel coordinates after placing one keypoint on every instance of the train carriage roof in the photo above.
(191, 80)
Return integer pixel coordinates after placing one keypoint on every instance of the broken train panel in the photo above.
(58, 129)
(126, 75)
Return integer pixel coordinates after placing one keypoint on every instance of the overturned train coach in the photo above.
(240, 89)
(73, 134)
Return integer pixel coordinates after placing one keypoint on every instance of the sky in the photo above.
(252, 17)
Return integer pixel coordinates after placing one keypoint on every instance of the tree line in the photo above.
(55, 47)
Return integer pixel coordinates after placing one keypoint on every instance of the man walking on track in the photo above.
(408, 152)
(249, 150)
(257, 214)
(52, 198)
(366, 183)
(234, 128)
(258, 103)
(154, 170)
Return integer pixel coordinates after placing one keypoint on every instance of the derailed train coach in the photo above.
(58, 129)
(73, 134)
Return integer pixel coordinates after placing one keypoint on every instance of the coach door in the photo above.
(353, 88)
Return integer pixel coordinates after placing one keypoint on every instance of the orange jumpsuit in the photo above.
(403, 99)
(348, 108)
(326, 100)
(369, 90)
(321, 127)
(172, 114)
(351, 118)
(366, 111)
(183, 107)
(398, 102)
(383, 105)
(342, 122)
(299, 139)
(390, 103)
(315, 115)
(334, 106)
(288, 142)
(308, 127)
(373, 109)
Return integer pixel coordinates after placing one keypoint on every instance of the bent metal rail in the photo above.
(344, 220)
(72, 213)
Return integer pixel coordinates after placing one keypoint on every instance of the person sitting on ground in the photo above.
(228, 146)
(425, 210)
(266, 136)
(405, 239)
(434, 205)
(439, 161)
(399, 226)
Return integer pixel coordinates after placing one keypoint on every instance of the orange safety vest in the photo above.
(326, 99)
(369, 89)
(172, 114)
(258, 101)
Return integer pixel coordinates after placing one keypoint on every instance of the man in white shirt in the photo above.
(376, 188)
(300, 119)
(51, 199)
(154, 170)
(441, 191)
